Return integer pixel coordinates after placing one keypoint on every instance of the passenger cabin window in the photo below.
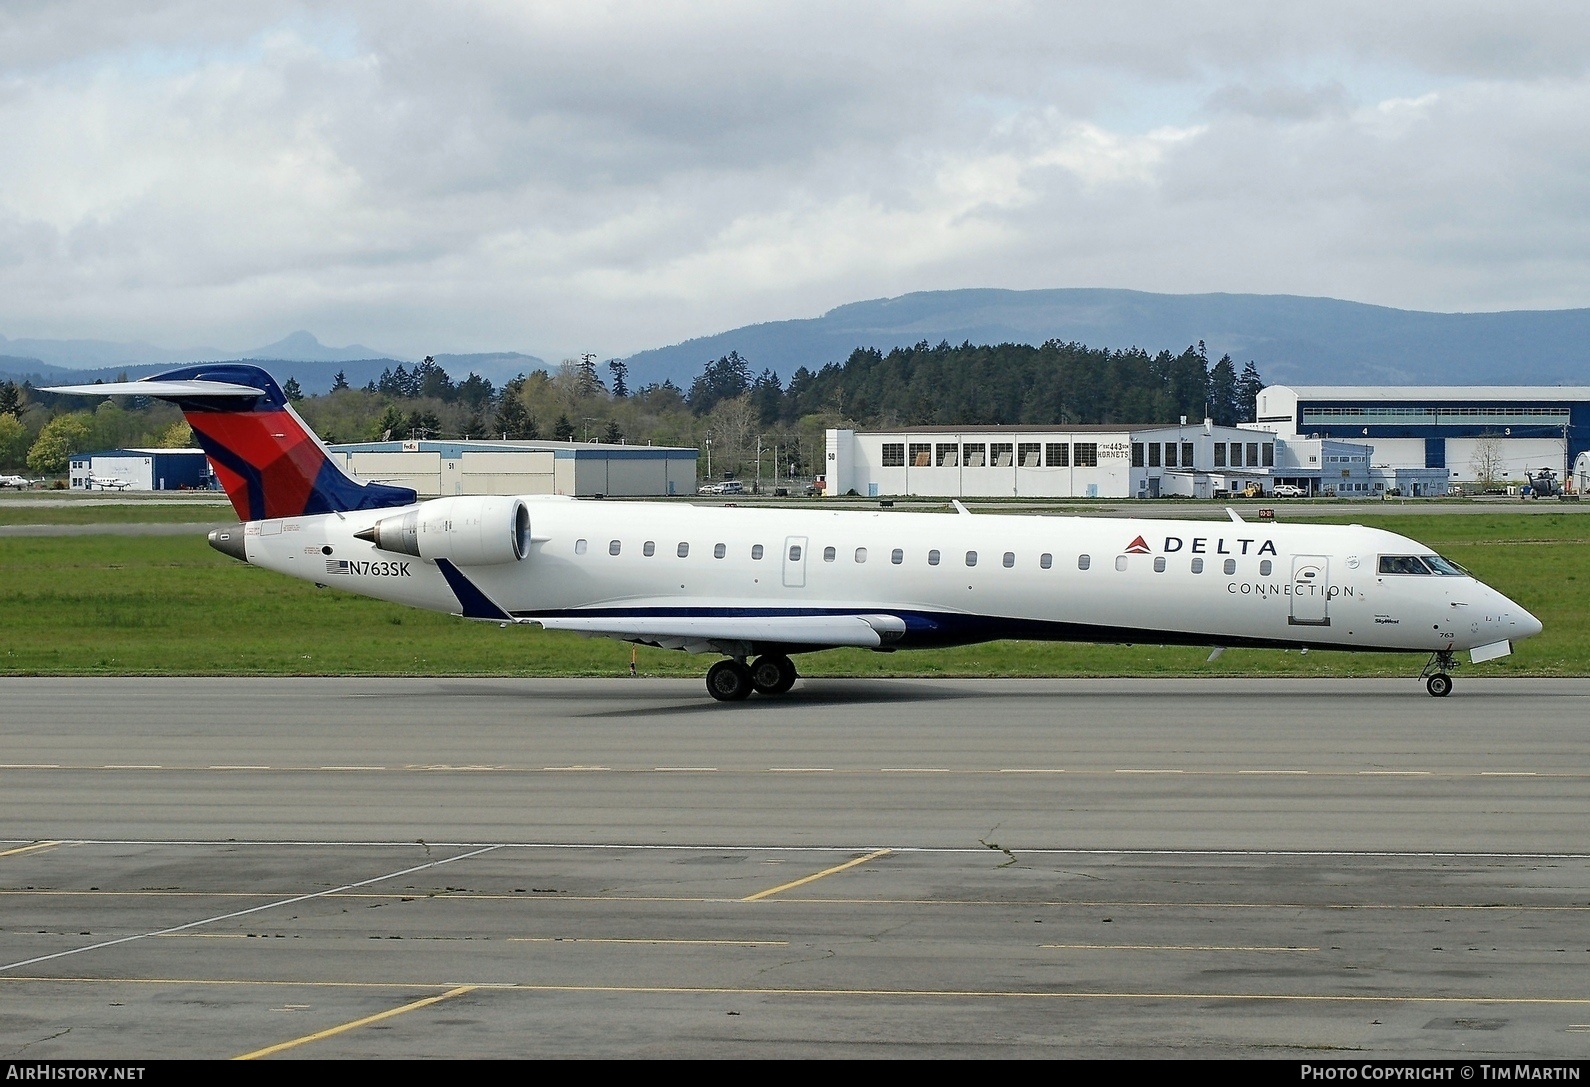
(1265, 568)
(933, 558)
(1120, 562)
(1231, 566)
(971, 558)
(897, 556)
(684, 550)
(794, 552)
(1045, 560)
(1402, 564)
(830, 554)
(649, 548)
(719, 550)
(579, 547)
(1009, 560)
(615, 547)
(861, 554)
(1159, 564)
(756, 552)
(1083, 562)
(1197, 566)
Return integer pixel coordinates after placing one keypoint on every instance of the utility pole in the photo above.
(759, 464)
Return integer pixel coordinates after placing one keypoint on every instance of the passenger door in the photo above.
(1311, 586)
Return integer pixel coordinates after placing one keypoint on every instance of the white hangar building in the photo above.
(1105, 461)
(587, 469)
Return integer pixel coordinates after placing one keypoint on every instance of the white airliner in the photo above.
(757, 586)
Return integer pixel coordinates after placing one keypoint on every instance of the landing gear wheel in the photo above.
(1439, 685)
(729, 681)
(773, 674)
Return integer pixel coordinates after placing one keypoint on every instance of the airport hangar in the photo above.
(141, 469)
(434, 468)
(1515, 430)
(438, 468)
(1117, 460)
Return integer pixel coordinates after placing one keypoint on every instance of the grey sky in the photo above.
(567, 177)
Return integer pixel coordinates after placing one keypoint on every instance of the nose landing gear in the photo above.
(1436, 680)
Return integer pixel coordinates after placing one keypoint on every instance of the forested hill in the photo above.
(1017, 383)
(1292, 340)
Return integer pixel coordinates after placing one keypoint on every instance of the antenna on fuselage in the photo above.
(1234, 516)
(956, 502)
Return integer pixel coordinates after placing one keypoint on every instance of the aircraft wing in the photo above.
(709, 631)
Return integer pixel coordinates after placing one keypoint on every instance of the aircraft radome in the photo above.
(759, 585)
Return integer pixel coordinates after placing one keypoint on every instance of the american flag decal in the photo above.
(336, 566)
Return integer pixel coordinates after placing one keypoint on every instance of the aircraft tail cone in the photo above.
(228, 540)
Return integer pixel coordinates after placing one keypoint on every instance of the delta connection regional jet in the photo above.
(757, 586)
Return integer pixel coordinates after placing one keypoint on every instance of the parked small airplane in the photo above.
(759, 585)
(108, 484)
(21, 483)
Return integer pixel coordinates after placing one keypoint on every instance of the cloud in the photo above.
(556, 178)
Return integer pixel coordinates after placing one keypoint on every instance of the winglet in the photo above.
(1234, 516)
(475, 604)
(956, 502)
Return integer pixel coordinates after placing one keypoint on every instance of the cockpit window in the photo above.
(1445, 567)
(1402, 564)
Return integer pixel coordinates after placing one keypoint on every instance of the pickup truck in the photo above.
(1288, 490)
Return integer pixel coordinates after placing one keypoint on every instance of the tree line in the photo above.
(749, 423)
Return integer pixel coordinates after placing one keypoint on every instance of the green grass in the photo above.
(146, 513)
(132, 605)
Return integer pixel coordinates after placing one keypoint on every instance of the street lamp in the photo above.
(709, 455)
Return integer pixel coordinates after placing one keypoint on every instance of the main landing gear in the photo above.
(732, 680)
(1436, 680)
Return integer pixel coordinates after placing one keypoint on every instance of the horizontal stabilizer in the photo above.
(184, 389)
(864, 631)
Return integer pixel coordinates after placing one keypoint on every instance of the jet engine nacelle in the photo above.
(470, 530)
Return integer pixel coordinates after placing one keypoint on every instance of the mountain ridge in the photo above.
(1291, 339)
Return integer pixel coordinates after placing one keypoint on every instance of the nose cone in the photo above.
(1528, 625)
